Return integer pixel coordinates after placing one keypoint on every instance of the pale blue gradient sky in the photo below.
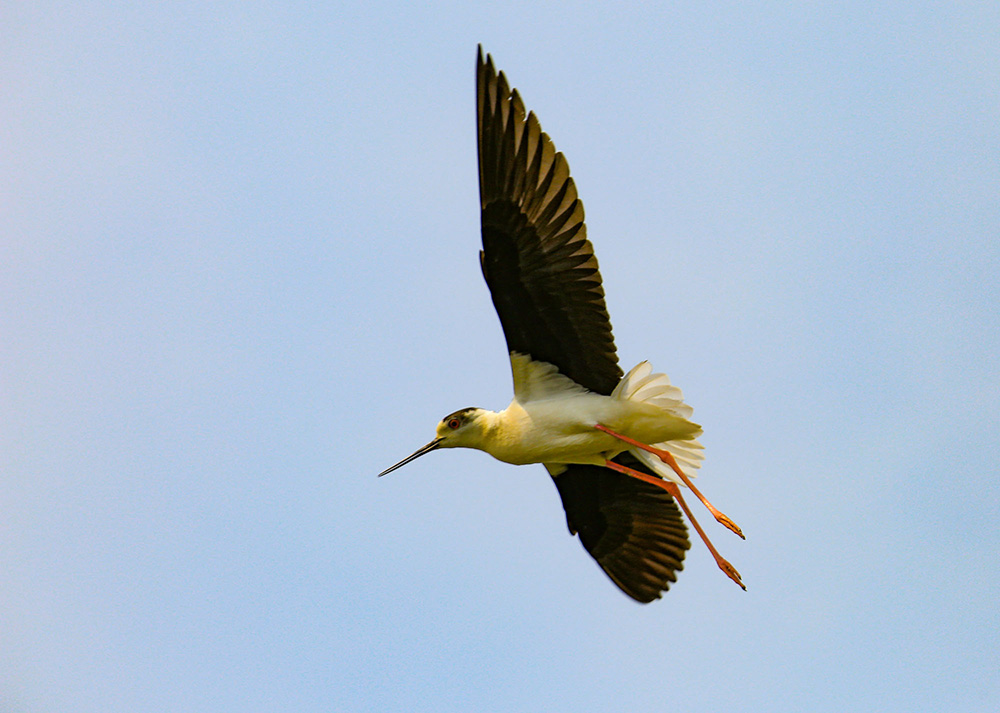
(238, 277)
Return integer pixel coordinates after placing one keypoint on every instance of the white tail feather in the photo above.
(640, 384)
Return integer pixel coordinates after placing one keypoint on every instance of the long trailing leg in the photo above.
(674, 491)
(668, 458)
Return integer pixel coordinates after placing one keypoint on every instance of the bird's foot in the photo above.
(731, 572)
(727, 522)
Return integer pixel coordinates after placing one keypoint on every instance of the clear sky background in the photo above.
(239, 277)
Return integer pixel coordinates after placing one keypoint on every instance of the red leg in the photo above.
(676, 493)
(668, 458)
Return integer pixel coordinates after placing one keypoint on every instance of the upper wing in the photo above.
(633, 529)
(536, 258)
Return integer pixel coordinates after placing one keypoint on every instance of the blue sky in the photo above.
(238, 278)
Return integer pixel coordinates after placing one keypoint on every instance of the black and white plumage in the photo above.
(616, 446)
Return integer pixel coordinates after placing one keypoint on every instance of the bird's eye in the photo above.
(454, 423)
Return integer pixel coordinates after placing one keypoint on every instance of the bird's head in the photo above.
(461, 429)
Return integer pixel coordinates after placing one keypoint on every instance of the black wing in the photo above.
(633, 529)
(536, 258)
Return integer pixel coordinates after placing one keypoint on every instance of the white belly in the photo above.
(562, 430)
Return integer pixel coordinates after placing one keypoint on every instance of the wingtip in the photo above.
(484, 60)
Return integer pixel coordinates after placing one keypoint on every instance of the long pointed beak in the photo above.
(436, 443)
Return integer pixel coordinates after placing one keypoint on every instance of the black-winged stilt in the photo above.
(618, 448)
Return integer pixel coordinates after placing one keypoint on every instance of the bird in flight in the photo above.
(618, 447)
